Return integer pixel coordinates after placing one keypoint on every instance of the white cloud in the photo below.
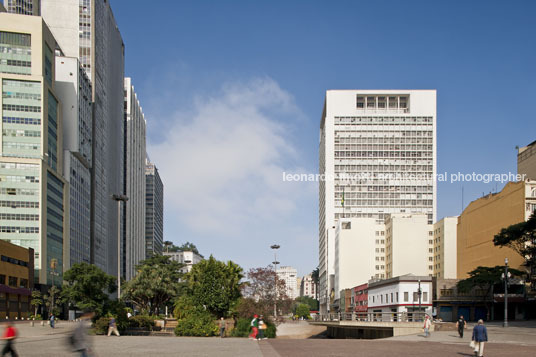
(222, 160)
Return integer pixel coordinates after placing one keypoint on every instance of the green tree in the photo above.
(481, 282)
(215, 285)
(156, 285)
(53, 299)
(267, 289)
(315, 275)
(87, 287)
(312, 303)
(521, 237)
(302, 310)
(37, 300)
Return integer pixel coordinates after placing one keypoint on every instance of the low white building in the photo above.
(188, 258)
(400, 294)
(289, 276)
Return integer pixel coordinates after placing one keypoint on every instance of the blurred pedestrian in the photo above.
(52, 318)
(480, 335)
(254, 327)
(79, 337)
(10, 334)
(262, 328)
(460, 325)
(427, 325)
(222, 327)
(112, 327)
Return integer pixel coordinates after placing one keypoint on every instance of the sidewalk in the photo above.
(518, 332)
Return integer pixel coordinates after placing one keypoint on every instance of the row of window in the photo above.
(18, 191)
(19, 217)
(379, 130)
(22, 108)
(16, 63)
(394, 297)
(391, 139)
(22, 133)
(21, 146)
(13, 280)
(18, 166)
(386, 154)
(25, 51)
(15, 39)
(16, 178)
(8, 229)
(15, 261)
(18, 120)
(19, 204)
(19, 95)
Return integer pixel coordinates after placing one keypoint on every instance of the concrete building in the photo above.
(483, 218)
(86, 29)
(526, 161)
(308, 287)
(378, 156)
(154, 211)
(360, 298)
(288, 275)
(74, 89)
(444, 250)
(401, 294)
(359, 252)
(188, 258)
(408, 245)
(16, 280)
(33, 194)
(133, 239)
(23, 7)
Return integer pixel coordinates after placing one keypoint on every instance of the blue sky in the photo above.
(233, 92)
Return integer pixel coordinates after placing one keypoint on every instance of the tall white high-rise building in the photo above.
(86, 29)
(133, 245)
(377, 156)
(289, 276)
(23, 7)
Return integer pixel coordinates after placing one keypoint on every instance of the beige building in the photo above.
(408, 245)
(484, 218)
(33, 194)
(444, 249)
(526, 161)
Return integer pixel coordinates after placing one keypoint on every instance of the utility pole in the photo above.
(275, 247)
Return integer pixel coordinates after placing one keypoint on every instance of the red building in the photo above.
(360, 298)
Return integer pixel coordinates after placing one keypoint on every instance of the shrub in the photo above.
(303, 311)
(141, 321)
(36, 317)
(101, 326)
(118, 310)
(198, 323)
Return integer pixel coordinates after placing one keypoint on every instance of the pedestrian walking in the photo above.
(480, 335)
(52, 319)
(222, 327)
(262, 328)
(427, 325)
(79, 337)
(112, 327)
(10, 334)
(461, 325)
(254, 327)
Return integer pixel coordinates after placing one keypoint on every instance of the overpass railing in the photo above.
(372, 316)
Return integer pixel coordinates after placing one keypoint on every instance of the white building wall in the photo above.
(188, 258)
(445, 251)
(391, 296)
(289, 275)
(308, 287)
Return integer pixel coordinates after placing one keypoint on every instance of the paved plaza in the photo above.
(517, 340)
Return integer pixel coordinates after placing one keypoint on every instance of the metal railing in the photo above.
(372, 317)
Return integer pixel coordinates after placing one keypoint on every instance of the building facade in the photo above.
(401, 294)
(133, 248)
(154, 211)
(33, 203)
(308, 287)
(378, 156)
(74, 88)
(188, 258)
(86, 29)
(526, 161)
(16, 280)
(444, 250)
(288, 275)
(360, 298)
(483, 218)
(23, 7)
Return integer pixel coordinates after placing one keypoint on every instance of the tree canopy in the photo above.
(215, 285)
(521, 237)
(186, 247)
(88, 287)
(156, 284)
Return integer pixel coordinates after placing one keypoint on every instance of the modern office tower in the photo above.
(74, 89)
(23, 7)
(526, 161)
(483, 218)
(154, 211)
(445, 252)
(378, 156)
(32, 191)
(288, 275)
(133, 247)
(86, 29)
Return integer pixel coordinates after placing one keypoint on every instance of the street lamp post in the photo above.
(275, 247)
(505, 276)
(419, 292)
(118, 199)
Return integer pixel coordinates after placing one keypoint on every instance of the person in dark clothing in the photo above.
(480, 335)
(461, 325)
(10, 334)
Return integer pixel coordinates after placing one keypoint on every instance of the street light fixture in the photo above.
(419, 292)
(118, 199)
(505, 276)
(275, 247)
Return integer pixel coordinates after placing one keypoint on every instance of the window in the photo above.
(23, 283)
(397, 297)
(346, 225)
(13, 281)
(392, 298)
(2, 279)
(425, 296)
(406, 296)
(381, 298)
(415, 296)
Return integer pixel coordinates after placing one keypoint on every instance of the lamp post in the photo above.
(118, 199)
(419, 292)
(505, 276)
(275, 247)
